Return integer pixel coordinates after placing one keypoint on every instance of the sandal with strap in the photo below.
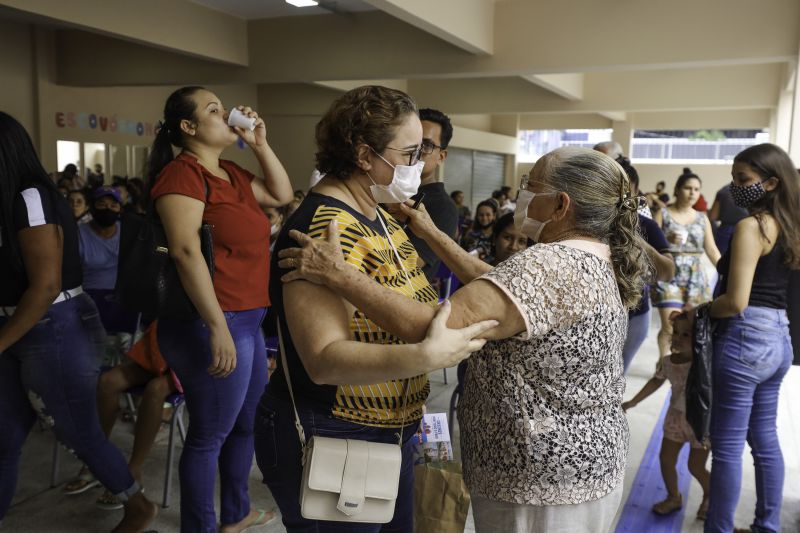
(669, 505)
(81, 483)
(264, 517)
(108, 502)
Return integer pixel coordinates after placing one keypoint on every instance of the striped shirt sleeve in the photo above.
(34, 207)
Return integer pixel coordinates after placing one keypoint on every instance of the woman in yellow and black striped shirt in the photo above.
(350, 377)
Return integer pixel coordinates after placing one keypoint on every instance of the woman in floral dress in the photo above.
(689, 233)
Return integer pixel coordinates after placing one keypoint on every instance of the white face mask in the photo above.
(529, 227)
(404, 185)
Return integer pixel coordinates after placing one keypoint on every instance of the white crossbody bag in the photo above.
(347, 480)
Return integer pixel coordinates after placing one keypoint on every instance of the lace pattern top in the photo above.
(540, 416)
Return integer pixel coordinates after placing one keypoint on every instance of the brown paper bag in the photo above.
(441, 499)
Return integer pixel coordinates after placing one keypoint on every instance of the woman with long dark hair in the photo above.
(219, 358)
(479, 239)
(50, 331)
(752, 348)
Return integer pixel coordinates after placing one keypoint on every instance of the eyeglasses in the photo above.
(429, 146)
(413, 154)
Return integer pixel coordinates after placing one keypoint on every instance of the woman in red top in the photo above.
(220, 357)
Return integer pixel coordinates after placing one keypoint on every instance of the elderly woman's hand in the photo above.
(417, 219)
(444, 347)
(316, 260)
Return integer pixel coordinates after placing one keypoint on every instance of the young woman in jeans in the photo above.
(220, 357)
(50, 331)
(752, 350)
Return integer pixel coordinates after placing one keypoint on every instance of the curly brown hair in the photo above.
(364, 115)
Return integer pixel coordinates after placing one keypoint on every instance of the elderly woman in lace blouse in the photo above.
(544, 439)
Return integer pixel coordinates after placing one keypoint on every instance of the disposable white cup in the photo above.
(681, 236)
(237, 118)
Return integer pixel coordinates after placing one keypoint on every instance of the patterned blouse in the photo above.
(541, 418)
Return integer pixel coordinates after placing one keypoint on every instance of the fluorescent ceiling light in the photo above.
(303, 3)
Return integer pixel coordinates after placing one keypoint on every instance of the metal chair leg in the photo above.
(170, 450)
(56, 463)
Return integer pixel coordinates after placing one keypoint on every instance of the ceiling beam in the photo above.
(741, 87)
(204, 33)
(569, 86)
(467, 24)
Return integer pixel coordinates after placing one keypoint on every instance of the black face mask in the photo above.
(105, 218)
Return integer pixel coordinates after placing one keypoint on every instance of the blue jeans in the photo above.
(278, 456)
(638, 327)
(221, 414)
(52, 373)
(752, 354)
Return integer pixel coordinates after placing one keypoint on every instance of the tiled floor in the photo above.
(39, 509)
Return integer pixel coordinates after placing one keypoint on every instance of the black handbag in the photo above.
(699, 390)
(147, 278)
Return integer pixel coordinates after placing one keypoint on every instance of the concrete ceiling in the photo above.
(604, 62)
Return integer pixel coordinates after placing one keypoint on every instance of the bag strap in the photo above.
(298, 426)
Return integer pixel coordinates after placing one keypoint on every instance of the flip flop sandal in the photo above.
(108, 502)
(262, 519)
(81, 483)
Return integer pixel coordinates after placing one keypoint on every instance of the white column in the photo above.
(623, 133)
(794, 138)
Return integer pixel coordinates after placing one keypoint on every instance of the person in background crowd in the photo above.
(277, 218)
(752, 348)
(137, 202)
(72, 178)
(64, 187)
(510, 196)
(657, 248)
(219, 358)
(479, 239)
(436, 134)
(144, 367)
(121, 185)
(464, 213)
(80, 206)
(611, 148)
(99, 250)
(544, 439)
(507, 239)
(95, 178)
(677, 431)
(349, 377)
(500, 198)
(689, 234)
(701, 204)
(50, 331)
(727, 214)
(661, 192)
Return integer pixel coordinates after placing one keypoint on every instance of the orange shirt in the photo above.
(240, 229)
